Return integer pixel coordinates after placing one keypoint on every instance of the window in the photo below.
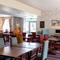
(6, 25)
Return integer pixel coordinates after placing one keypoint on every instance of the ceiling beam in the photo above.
(20, 6)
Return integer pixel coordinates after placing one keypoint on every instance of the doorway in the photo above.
(29, 26)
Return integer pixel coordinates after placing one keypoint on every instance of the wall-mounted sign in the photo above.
(42, 24)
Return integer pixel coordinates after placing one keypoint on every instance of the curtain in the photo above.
(2, 23)
(6, 24)
(10, 24)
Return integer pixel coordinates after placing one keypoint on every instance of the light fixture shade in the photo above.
(17, 25)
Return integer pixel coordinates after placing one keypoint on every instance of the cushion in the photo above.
(1, 43)
(45, 31)
(14, 40)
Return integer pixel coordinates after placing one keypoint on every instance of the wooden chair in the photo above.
(30, 39)
(45, 31)
(1, 46)
(13, 41)
(57, 44)
(24, 35)
(1, 43)
(34, 38)
(45, 36)
(41, 42)
(35, 51)
(41, 39)
(43, 55)
(33, 55)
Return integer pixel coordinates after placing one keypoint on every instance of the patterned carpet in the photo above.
(54, 57)
(7, 44)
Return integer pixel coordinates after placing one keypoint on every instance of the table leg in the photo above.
(36, 54)
(21, 57)
(29, 55)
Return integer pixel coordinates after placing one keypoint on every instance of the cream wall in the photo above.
(17, 20)
(48, 16)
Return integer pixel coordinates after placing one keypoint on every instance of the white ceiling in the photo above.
(43, 4)
(7, 12)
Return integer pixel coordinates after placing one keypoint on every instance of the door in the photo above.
(32, 27)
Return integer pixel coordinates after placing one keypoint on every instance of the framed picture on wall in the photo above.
(58, 22)
(42, 24)
(54, 22)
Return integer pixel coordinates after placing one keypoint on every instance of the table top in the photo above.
(53, 39)
(13, 51)
(28, 45)
(55, 35)
(26, 37)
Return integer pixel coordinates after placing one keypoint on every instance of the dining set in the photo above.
(18, 50)
(54, 43)
(22, 51)
(25, 50)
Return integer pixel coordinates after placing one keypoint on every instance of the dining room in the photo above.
(30, 30)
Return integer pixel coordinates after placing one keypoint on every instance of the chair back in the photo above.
(45, 31)
(13, 41)
(41, 39)
(1, 43)
(45, 36)
(45, 50)
(33, 35)
(24, 34)
(30, 39)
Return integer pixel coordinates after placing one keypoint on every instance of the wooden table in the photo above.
(28, 38)
(7, 36)
(28, 45)
(52, 40)
(19, 49)
(55, 35)
(13, 52)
